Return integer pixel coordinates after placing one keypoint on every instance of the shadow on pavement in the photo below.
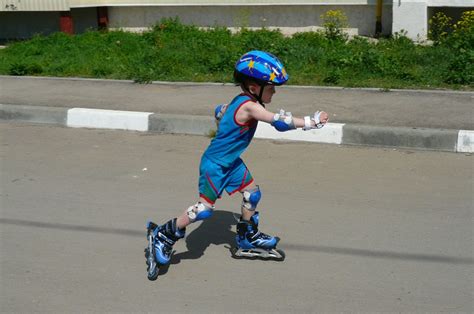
(216, 230)
(219, 230)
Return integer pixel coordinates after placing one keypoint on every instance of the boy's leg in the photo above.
(163, 237)
(248, 235)
(166, 235)
(212, 179)
(199, 211)
(240, 180)
(247, 213)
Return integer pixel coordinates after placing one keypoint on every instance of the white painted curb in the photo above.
(461, 141)
(331, 133)
(465, 141)
(107, 119)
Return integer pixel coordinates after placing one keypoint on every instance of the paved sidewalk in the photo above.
(399, 118)
(444, 110)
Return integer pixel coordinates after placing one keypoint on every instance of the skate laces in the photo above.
(260, 235)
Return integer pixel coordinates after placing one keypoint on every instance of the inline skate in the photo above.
(252, 243)
(160, 245)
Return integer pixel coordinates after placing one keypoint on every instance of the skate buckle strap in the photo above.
(165, 239)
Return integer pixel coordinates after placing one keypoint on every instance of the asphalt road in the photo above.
(364, 229)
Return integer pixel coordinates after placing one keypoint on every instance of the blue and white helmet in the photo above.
(262, 67)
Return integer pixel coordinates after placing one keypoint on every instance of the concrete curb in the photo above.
(434, 139)
(181, 124)
(334, 133)
(37, 114)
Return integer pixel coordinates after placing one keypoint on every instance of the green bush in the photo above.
(461, 42)
(440, 27)
(172, 51)
(21, 69)
(333, 22)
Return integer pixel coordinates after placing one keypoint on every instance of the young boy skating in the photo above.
(221, 168)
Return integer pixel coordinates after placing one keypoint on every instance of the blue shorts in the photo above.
(214, 179)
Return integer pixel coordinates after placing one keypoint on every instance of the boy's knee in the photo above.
(199, 211)
(251, 198)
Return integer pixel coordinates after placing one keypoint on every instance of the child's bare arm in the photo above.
(261, 114)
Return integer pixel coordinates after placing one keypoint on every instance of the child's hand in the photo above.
(320, 119)
(324, 117)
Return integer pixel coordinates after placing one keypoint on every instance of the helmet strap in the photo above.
(257, 97)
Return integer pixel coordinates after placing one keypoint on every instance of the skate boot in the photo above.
(160, 245)
(252, 243)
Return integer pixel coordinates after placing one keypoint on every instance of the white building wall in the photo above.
(450, 3)
(34, 5)
(288, 18)
(412, 15)
(83, 3)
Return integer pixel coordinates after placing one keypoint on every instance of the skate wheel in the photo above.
(233, 250)
(282, 255)
(152, 276)
(272, 255)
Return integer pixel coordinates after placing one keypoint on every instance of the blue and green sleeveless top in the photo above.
(232, 137)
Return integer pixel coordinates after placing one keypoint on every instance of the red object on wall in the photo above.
(66, 24)
(102, 17)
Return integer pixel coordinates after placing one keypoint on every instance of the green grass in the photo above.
(171, 51)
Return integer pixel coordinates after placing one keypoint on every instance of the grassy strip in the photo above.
(171, 51)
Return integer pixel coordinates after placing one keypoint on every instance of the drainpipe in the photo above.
(378, 18)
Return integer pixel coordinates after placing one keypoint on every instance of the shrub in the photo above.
(333, 77)
(172, 51)
(440, 26)
(21, 69)
(18, 69)
(461, 66)
(333, 22)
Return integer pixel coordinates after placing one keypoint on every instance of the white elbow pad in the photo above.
(283, 121)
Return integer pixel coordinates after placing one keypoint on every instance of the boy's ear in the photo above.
(253, 87)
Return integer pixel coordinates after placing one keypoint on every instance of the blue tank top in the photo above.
(232, 138)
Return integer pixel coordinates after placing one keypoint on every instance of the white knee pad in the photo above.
(251, 198)
(199, 211)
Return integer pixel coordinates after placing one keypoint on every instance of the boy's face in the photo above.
(268, 92)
